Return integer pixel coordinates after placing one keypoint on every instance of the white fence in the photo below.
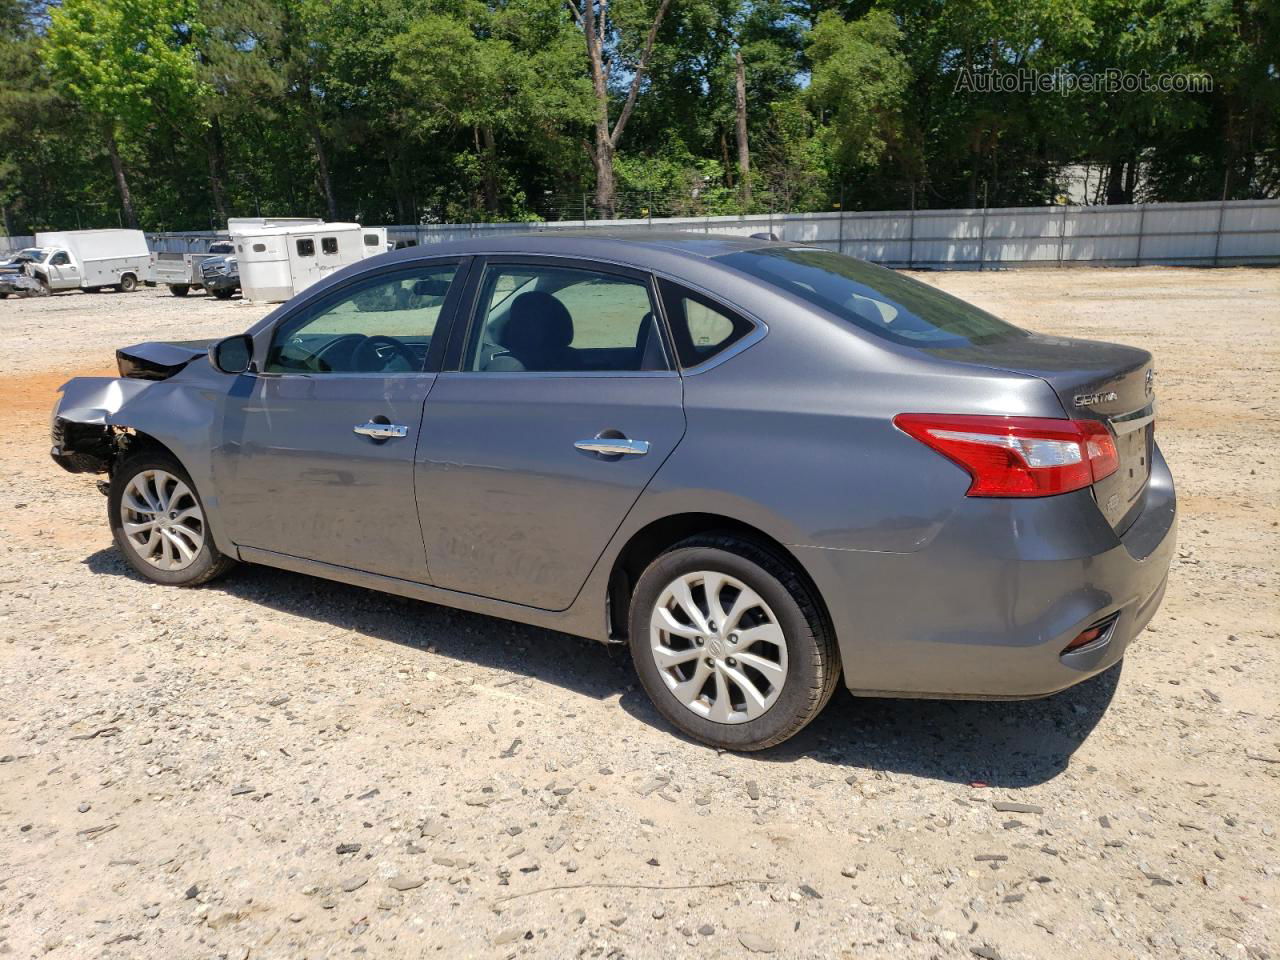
(1186, 234)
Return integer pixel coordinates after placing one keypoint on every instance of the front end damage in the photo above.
(85, 436)
(88, 431)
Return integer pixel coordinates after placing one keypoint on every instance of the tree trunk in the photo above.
(1115, 182)
(216, 165)
(122, 184)
(724, 160)
(744, 151)
(322, 172)
(606, 192)
(490, 159)
(606, 139)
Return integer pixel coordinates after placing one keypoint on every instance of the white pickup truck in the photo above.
(181, 272)
(90, 260)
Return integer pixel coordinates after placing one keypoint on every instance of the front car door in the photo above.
(317, 451)
(559, 409)
(63, 272)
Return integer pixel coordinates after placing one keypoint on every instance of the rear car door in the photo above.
(317, 451)
(561, 404)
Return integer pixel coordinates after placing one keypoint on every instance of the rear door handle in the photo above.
(381, 431)
(614, 446)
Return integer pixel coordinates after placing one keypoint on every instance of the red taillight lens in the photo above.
(1018, 456)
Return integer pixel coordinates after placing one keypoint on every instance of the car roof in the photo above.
(646, 249)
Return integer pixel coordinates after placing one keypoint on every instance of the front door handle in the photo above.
(614, 446)
(381, 431)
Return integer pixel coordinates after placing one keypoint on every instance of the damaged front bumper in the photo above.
(84, 437)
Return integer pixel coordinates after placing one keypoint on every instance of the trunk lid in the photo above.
(1093, 380)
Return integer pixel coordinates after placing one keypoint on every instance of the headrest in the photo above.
(538, 322)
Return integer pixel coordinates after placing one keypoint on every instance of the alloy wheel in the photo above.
(162, 520)
(718, 647)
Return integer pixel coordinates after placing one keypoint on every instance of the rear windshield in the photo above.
(878, 300)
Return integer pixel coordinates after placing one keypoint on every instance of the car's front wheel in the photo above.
(731, 644)
(159, 523)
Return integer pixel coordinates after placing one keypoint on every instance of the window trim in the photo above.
(470, 322)
(755, 332)
(759, 330)
(445, 323)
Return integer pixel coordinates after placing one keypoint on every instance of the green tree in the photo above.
(858, 86)
(129, 66)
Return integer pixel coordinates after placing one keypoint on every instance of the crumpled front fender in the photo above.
(96, 419)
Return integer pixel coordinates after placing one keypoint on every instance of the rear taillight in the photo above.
(1018, 456)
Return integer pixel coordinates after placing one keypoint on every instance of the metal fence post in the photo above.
(840, 225)
(1142, 225)
(1062, 233)
(1217, 238)
(911, 235)
(982, 241)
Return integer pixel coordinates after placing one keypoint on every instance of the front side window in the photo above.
(380, 325)
(306, 247)
(700, 327)
(60, 259)
(538, 318)
(876, 299)
(329, 245)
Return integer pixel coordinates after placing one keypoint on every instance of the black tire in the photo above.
(224, 294)
(128, 283)
(92, 289)
(179, 289)
(208, 564)
(813, 658)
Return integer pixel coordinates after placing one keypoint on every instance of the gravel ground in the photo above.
(277, 766)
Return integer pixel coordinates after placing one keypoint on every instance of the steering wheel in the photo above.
(368, 350)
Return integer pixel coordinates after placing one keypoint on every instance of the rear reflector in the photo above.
(1100, 629)
(1018, 456)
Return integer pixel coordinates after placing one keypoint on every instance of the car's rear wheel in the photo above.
(224, 294)
(731, 644)
(179, 289)
(128, 283)
(159, 524)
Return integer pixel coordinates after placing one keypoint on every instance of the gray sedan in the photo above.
(763, 466)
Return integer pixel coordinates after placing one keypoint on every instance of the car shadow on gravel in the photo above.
(997, 744)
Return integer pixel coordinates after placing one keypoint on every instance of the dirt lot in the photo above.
(277, 766)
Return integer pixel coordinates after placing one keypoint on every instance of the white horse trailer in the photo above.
(278, 260)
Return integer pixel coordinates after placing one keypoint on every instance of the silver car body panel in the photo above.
(487, 505)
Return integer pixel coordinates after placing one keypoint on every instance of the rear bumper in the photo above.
(986, 609)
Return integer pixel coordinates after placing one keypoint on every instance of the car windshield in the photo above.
(874, 298)
(30, 255)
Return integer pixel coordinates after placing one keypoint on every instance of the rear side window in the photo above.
(551, 319)
(328, 244)
(876, 299)
(371, 240)
(700, 327)
(259, 248)
(306, 247)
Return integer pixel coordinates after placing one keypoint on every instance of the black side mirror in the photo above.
(232, 355)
